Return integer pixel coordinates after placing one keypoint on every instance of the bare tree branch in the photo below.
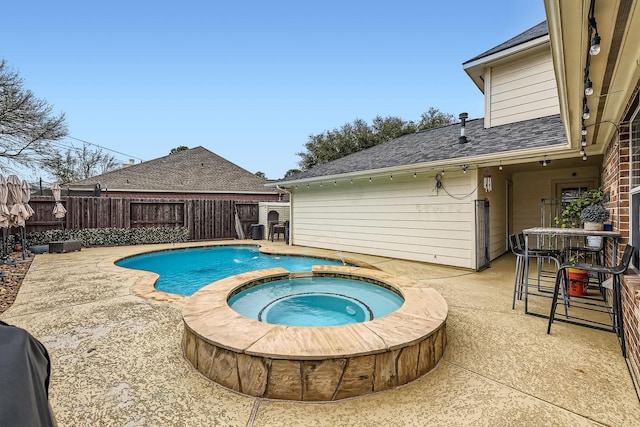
(27, 124)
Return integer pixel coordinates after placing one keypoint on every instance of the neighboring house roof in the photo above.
(538, 31)
(196, 170)
(442, 144)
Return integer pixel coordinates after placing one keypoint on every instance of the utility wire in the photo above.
(105, 148)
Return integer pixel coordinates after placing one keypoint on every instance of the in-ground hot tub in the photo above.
(317, 363)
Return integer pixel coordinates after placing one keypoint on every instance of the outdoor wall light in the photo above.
(585, 112)
(588, 87)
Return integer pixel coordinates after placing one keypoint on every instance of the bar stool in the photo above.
(617, 319)
(520, 284)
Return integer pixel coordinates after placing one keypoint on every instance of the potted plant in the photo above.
(570, 216)
(594, 217)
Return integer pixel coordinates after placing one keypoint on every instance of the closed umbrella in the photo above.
(5, 215)
(14, 201)
(19, 212)
(26, 196)
(58, 210)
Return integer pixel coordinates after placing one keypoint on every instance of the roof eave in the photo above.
(138, 190)
(507, 157)
(475, 69)
(616, 68)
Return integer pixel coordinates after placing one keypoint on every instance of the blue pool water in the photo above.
(184, 271)
(315, 301)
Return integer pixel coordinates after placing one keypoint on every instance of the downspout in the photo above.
(284, 190)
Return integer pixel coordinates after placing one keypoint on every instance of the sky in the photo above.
(252, 80)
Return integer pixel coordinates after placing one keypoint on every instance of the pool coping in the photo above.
(207, 314)
(314, 363)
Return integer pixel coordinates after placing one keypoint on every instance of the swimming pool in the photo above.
(315, 301)
(184, 271)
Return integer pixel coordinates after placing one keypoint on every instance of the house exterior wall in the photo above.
(521, 90)
(530, 187)
(497, 210)
(616, 176)
(406, 217)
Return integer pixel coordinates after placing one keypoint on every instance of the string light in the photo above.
(588, 87)
(391, 178)
(500, 167)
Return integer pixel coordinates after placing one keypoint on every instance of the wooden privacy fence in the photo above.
(205, 219)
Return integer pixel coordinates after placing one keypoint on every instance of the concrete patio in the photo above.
(117, 357)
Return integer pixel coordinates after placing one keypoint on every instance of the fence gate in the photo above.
(482, 235)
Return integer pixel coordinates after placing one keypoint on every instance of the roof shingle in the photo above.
(442, 144)
(539, 30)
(193, 170)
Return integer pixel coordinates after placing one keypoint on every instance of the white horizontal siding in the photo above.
(497, 213)
(403, 218)
(522, 90)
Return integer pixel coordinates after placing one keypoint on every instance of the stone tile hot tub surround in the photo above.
(313, 363)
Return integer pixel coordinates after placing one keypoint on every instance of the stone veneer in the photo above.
(314, 363)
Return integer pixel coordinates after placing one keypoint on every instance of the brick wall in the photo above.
(616, 181)
(265, 197)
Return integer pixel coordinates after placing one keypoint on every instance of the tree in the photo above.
(261, 175)
(27, 124)
(358, 135)
(291, 172)
(79, 163)
(179, 148)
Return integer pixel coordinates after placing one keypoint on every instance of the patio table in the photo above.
(550, 235)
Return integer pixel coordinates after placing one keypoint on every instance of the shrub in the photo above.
(108, 236)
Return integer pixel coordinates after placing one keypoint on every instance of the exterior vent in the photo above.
(463, 119)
